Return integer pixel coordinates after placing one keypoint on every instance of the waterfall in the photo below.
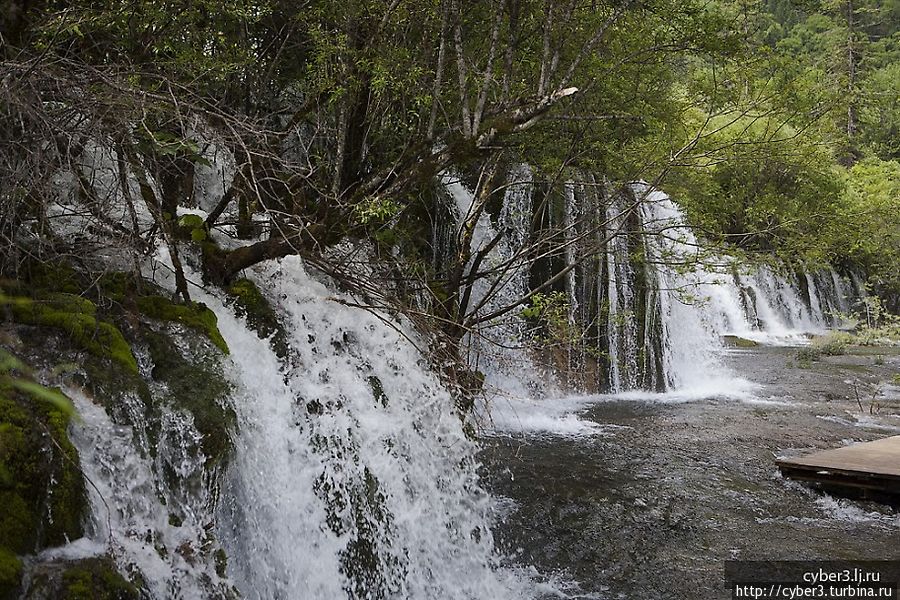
(351, 475)
(659, 301)
(685, 291)
(727, 297)
(498, 349)
(622, 320)
(135, 506)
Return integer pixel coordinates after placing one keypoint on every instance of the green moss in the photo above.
(116, 286)
(85, 579)
(57, 276)
(10, 574)
(197, 389)
(43, 493)
(76, 317)
(196, 316)
(95, 579)
(739, 342)
(250, 303)
(832, 344)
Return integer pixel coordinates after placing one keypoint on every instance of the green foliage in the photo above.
(833, 344)
(866, 226)
(794, 154)
(9, 365)
(552, 312)
(767, 188)
(195, 225)
(880, 112)
(376, 209)
(876, 326)
(164, 143)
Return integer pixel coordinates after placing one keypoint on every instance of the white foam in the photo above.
(553, 416)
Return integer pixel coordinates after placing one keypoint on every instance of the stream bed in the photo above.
(643, 496)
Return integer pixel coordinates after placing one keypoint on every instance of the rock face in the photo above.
(86, 579)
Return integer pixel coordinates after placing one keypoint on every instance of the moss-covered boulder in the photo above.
(739, 342)
(60, 296)
(10, 574)
(87, 579)
(42, 492)
(249, 303)
(77, 318)
(188, 369)
(194, 384)
(197, 316)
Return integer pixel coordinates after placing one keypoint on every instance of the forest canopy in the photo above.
(774, 124)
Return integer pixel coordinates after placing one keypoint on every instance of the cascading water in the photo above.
(703, 297)
(499, 349)
(351, 475)
(622, 317)
(134, 505)
(663, 302)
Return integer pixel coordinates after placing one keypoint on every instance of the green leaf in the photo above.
(191, 220)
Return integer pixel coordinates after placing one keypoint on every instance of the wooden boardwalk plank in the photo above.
(871, 466)
(881, 457)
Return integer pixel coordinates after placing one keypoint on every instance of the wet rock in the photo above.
(86, 579)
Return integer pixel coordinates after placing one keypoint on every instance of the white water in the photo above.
(333, 468)
(351, 476)
(131, 501)
(693, 299)
(758, 304)
(499, 349)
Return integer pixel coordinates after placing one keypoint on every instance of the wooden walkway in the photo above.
(870, 469)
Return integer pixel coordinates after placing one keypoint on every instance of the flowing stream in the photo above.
(352, 476)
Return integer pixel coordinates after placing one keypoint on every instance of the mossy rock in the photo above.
(249, 303)
(117, 286)
(739, 342)
(56, 276)
(86, 579)
(53, 296)
(121, 286)
(76, 317)
(10, 574)
(196, 316)
(197, 389)
(41, 489)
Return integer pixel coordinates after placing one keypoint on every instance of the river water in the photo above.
(643, 496)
